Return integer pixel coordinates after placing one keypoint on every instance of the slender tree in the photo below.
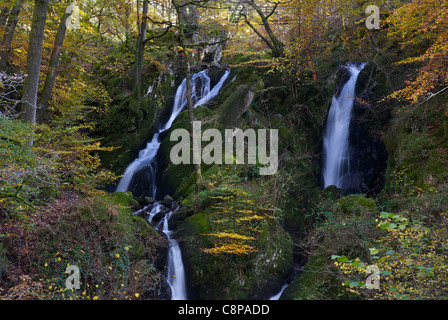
(53, 66)
(142, 40)
(34, 60)
(180, 11)
(272, 41)
(140, 48)
(10, 21)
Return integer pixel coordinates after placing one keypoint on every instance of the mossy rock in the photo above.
(314, 282)
(205, 198)
(331, 192)
(274, 262)
(355, 205)
(232, 107)
(176, 180)
(238, 77)
(211, 278)
(127, 132)
(201, 112)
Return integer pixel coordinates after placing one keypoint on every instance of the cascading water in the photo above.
(278, 295)
(146, 159)
(176, 273)
(147, 156)
(336, 139)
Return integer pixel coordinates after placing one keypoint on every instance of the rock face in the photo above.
(213, 277)
(368, 155)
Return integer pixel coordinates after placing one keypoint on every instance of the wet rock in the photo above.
(167, 201)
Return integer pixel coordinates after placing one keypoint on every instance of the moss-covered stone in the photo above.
(127, 132)
(253, 275)
(231, 109)
(355, 205)
(315, 281)
(175, 180)
(258, 276)
(416, 155)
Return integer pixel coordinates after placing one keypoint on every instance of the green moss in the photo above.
(355, 205)
(275, 259)
(442, 131)
(206, 198)
(201, 112)
(211, 275)
(285, 137)
(231, 276)
(126, 129)
(315, 281)
(232, 106)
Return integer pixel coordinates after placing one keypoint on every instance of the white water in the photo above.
(176, 272)
(146, 158)
(336, 143)
(206, 94)
(278, 295)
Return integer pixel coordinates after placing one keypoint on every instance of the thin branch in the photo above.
(270, 45)
(159, 35)
(203, 44)
(273, 10)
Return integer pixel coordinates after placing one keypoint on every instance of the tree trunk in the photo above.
(34, 60)
(274, 44)
(52, 68)
(10, 28)
(197, 166)
(140, 52)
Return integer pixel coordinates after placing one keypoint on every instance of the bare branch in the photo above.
(8, 90)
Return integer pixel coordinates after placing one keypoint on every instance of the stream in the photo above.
(147, 161)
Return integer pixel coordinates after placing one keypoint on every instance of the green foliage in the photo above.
(336, 228)
(411, 258)
(24, 173)
(60, 158)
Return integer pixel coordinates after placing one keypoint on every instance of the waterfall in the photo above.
(278, 295)
(147, 160)
(146, 157)
(336, 151)
(176, 273)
